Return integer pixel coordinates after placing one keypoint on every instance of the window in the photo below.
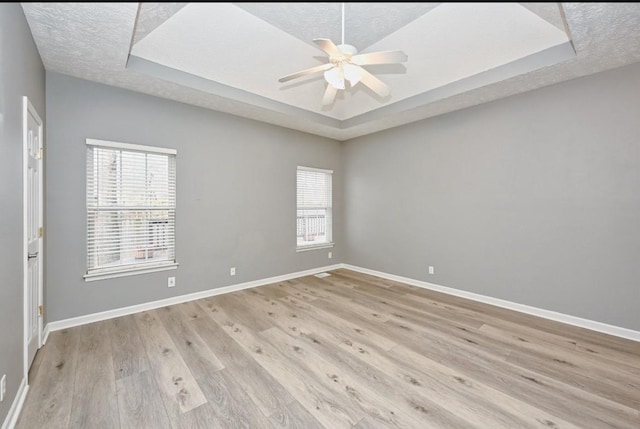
(314, 208)
(131, 208)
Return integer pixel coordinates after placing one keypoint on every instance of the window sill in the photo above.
(314, 247)
(129, 272)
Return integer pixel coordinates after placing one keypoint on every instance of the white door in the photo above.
(33, 230)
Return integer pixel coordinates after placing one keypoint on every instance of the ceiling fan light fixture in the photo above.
(352, 73)
(335, 77)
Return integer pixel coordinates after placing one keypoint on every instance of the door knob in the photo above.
(32, 255)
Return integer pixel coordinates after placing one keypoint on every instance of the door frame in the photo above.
(27, 108)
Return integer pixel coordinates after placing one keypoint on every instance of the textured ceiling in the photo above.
(252, 60)
(447, 68)
(365, 23)
(151, 15)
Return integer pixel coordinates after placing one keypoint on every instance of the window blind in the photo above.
(131, 204)
(314, 202)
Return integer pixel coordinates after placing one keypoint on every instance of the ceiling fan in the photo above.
(345, 64)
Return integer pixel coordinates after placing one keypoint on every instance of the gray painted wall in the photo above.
(534, 199)
(236, 199)
(21, 73)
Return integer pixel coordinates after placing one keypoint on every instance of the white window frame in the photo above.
(329, 233)
(128, 270)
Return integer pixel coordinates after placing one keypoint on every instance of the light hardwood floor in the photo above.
(346, 351)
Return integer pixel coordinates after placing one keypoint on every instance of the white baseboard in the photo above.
(547, 314)
(14, 412)
(45, 334)
(110, 314)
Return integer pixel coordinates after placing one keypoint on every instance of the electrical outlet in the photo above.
(171, 282)
(232, 271)
(3, 387)
(431, 271)
(330, 255)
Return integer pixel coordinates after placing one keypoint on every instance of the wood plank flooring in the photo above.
(346, 351)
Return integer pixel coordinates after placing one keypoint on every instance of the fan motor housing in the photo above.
(348, 49)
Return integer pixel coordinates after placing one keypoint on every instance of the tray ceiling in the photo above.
(229, 56)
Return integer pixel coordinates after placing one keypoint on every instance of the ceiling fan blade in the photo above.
(329, 95)
(375, 84)
(312, 70)
(381, 57)
(329, 47)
